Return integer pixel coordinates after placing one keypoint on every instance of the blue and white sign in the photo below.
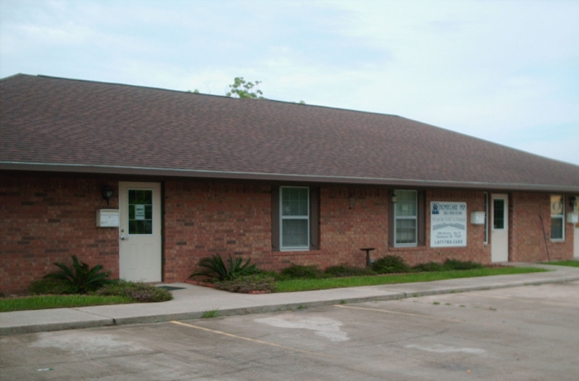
(447, 224)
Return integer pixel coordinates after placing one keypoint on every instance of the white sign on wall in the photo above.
(447, 224)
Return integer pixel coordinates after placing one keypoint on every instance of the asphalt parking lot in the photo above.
(523, 333)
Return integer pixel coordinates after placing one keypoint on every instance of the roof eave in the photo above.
(211, 174)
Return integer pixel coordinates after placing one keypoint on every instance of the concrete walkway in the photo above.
(191, 301)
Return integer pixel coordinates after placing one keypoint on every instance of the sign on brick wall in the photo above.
(447, 224)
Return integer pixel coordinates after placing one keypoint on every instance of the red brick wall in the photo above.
(203, 219)
(345, 227)
(476, 249)
(45, 220)
(529, 241)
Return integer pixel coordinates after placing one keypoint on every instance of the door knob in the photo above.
(123, 238)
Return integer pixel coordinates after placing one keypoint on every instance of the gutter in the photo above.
(238, 175)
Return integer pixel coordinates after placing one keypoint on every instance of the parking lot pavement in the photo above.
(523, 333)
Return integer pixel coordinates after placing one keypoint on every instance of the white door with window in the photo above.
(576, 230)
(499, 228)
(140, 231)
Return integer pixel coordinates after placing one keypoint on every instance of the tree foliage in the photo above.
(244, 89)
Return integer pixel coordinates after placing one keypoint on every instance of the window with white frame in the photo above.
(295, 218)
(557, 217)
(406, 218)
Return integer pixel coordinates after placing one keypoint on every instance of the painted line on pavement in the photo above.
(524, 300)
(251, 340)
(398, 313)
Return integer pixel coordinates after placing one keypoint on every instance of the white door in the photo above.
(140, 231)
(576, 230)
(499, 228)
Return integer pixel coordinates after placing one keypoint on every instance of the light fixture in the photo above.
(351, 201)
(393, 197)
(107, 193)
(572, 201)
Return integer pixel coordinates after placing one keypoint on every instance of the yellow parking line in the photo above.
(248, 339)
(397, 312)
(524, 300)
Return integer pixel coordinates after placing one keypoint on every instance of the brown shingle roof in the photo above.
(80, 126)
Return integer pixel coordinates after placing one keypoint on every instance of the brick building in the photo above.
(147, 181)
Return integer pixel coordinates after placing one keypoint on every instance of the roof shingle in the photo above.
(71, 125)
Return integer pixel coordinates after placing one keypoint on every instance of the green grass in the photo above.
(210, 314)
(59, 301)
(327, 283)
(570, 263)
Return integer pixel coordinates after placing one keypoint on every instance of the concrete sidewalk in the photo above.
(191, 301)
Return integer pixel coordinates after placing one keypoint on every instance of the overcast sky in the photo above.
(504, 71)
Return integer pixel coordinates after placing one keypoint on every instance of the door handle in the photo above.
(123, 238)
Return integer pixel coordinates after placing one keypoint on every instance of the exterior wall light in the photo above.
(393, 197)
(107, 193)
(572, 201)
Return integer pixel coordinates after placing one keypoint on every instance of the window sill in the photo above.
(408, 248)
(295, 252)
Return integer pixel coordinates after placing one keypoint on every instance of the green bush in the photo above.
(390, 264)
(215, 267)
(454, 264)
(428, 267)
(80, 277)
(345, 270)
(48, 286)
(136, 291)
(302, 272)
(248, 283)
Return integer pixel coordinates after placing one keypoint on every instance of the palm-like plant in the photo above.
(80, 276)
(215, 267)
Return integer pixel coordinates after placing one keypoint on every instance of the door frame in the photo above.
(157, 188)
(576, 230)
(499, 250)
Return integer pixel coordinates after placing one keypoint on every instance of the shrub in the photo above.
(390, 264)
(428, 267)
(302, 272)
(454, 264)
(80, 277)
(137, 291)
(216, 268)
(345, 270)
(248, 283)
(50, 286)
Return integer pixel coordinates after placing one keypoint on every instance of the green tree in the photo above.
(244, 89)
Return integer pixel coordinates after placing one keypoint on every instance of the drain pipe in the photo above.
(545, 238)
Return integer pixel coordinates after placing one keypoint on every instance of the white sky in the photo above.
(504, 71)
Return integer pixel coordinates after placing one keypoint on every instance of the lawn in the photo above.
(41, 302)
(569, 262)
(327, 283)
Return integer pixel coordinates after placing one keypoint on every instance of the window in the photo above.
(140, 211)
(557, 218)
(498, 214)
(406, 218)
(295, 218)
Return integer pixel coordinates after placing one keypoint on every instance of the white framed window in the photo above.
(557, 218)
(294, 218)
(406, 218)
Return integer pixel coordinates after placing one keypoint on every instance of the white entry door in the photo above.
(140, 231)
(500, 228)
(576, 231)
